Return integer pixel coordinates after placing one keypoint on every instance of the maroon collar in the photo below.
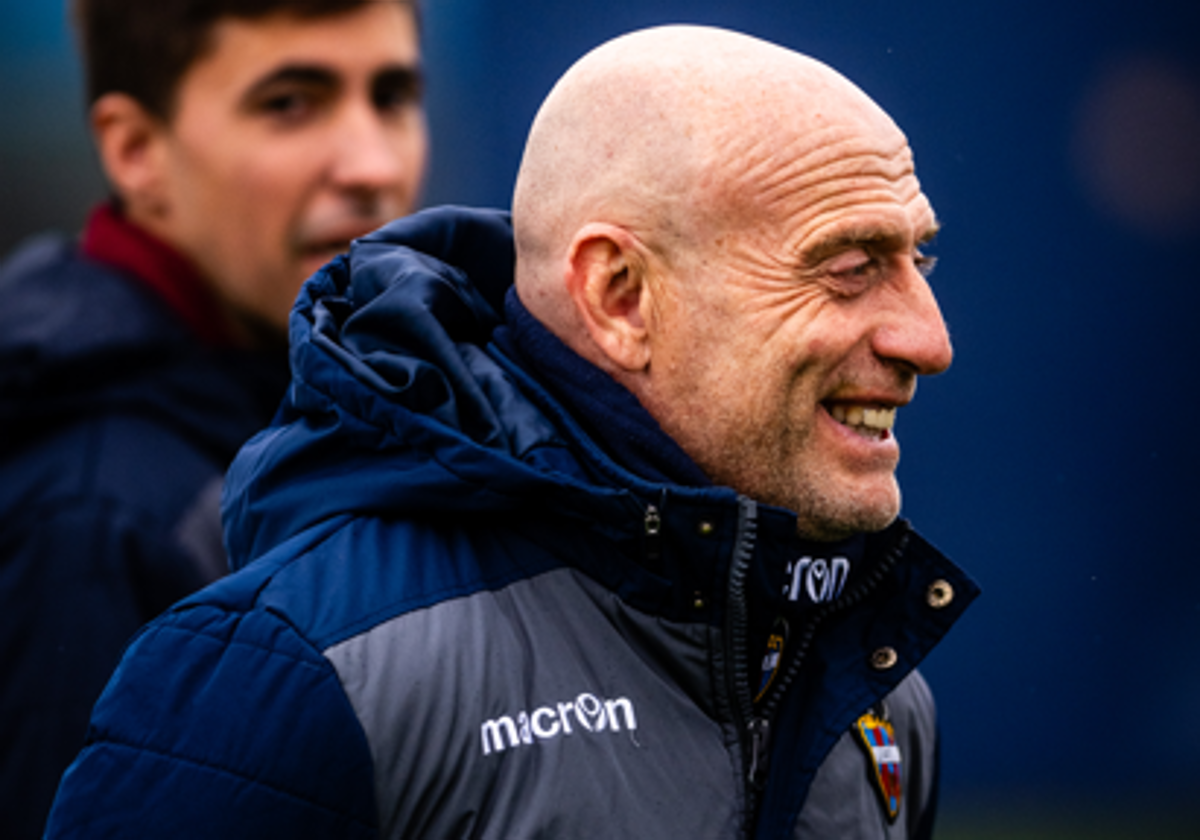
(112, 239)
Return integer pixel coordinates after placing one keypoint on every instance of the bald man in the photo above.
(610, 548)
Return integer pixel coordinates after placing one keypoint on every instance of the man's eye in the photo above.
(925, 264)
(394, 91)
(851, 276)
(854, 263)
(856, 271)
(289, 106)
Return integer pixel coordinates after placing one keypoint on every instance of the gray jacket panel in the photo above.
(574, 712)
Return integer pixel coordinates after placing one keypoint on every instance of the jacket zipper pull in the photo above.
(760, 732)
(652, 526)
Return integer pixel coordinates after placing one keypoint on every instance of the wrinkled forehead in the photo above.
(808, 135)
(789, 106)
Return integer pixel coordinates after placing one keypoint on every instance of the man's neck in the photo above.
(111, 238)
(609, 412)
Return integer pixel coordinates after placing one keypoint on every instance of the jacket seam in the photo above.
(398, 609)
(227, 642)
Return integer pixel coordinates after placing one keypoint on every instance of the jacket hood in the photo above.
(398, 405)
(78, 339)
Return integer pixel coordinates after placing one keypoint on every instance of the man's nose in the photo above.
(913, 331)
(369, 153)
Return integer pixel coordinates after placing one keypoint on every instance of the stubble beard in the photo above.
(824, 516)
(826, 509)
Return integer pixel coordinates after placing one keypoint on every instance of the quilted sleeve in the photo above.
(220, 724)
(76, 582)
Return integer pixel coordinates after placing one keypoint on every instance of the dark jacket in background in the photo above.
(116, 426)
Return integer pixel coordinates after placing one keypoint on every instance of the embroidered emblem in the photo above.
(878, 738)
(773, 658)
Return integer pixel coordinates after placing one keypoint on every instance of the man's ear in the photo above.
(130, 142)
(606, 279)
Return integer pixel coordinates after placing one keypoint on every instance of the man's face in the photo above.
(796, 324)
(290, 137)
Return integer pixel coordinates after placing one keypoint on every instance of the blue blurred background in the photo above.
(1060, 144)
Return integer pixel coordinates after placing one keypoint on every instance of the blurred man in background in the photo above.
(246, 142)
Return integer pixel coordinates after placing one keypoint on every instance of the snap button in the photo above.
(939, 594)
(884, 658)
(705, 529)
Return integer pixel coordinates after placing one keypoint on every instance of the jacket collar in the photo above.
(607, 411)
(110, 238)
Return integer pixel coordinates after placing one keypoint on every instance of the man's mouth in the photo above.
(331, 240)
(326, 249)
(874, 422)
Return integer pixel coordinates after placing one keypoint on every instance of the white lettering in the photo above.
(841, 571)
(797, 568)
(589, 711)
(592, 713)
(821, 580)
(818, 580)
(626, 708)
(564, 715)
(494, 728)
(544, 731)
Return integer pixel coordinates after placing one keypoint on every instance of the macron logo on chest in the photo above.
(587, 714)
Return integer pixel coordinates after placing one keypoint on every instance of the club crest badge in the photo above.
(773, 658)
(878, 738)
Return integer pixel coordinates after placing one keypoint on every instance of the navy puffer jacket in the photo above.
(455, 616)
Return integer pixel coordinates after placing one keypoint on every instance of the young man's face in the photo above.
(290, 137)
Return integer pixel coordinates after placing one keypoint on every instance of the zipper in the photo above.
(652, 531)
(757, 730)
(756, 720)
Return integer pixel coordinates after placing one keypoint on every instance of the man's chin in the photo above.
(829, 519)
(313, 262)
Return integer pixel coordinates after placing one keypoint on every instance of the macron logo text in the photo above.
(587, 713)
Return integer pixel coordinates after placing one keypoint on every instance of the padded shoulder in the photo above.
(220, 724)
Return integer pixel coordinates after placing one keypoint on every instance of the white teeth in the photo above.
(871, 419)
(879, 418)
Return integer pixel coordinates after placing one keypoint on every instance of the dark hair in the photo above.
(144, 47)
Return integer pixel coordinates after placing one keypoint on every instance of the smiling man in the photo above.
(607, 546)
(772, 312)
(247, 142)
